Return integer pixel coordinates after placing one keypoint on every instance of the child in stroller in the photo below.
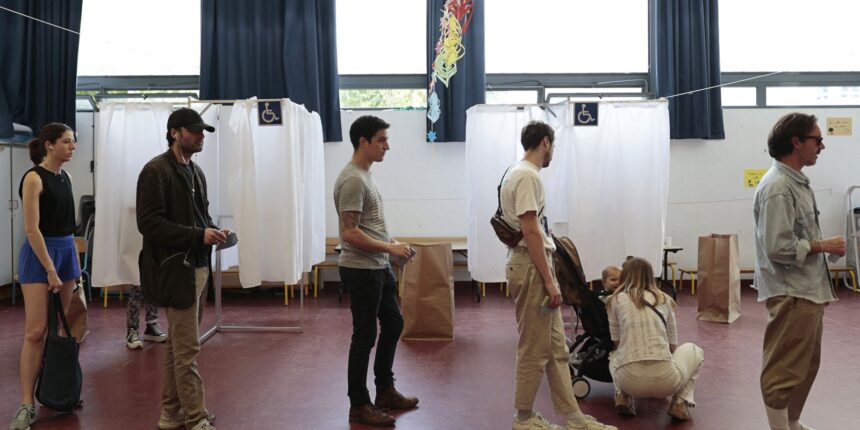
(589, 353)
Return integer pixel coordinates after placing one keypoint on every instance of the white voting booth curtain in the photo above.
(275, 182)
(127, 136)
(607, 186)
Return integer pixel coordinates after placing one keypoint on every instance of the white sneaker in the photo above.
(203, 425)
(797, 425)
(590, 424)
(536, 422)
(25, 416)
(132, 339)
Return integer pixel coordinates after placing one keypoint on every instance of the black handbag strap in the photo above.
(662, 318)
(499, 192)
(55, 308)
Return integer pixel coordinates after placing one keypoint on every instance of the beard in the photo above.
(190, 145)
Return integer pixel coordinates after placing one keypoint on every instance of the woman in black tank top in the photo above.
(48, 261)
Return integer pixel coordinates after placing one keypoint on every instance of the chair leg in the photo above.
(105, 291)
(316, 281)
(286, 294)
(507, 291)
(693, 285)
(483, 288)
(853, 280)
(674, 287)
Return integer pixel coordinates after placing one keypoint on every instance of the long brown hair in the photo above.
(637, 276)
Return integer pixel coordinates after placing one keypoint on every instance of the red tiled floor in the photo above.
(298, 381)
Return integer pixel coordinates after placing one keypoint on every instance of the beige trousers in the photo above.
(542, 345)
(792, 352)
(183, 387)
(653, 378)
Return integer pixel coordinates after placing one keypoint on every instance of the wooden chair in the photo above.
(330, 244)
(692, 273)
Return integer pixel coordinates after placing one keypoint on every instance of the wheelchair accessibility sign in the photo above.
(585, 114)
(269, 113)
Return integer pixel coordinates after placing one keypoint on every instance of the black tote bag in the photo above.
(59, 384)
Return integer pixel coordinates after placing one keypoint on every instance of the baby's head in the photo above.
(611, 278)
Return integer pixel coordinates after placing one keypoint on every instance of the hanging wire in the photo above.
(529, 81)
(723, 85)
(87, 36)
(39, 20)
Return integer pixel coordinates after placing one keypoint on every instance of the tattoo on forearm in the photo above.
(349, 220)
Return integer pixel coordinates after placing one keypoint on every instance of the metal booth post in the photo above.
(220, 325)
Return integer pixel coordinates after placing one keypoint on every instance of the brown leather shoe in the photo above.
(624, 404)
(679, 410)
(391, 399)
(370, 415)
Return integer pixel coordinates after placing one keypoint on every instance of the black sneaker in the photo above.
(154, 334)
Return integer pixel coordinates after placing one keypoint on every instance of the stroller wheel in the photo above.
(581, 387)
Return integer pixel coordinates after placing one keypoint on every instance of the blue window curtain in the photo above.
(685, 56)
(272, 49)
(38, 63)
(467, 87)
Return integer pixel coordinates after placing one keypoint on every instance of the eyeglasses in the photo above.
(818, 139)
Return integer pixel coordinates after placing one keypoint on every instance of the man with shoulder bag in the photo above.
(542, 345)
(178, 234)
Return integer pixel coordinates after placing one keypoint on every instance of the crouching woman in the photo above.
(646, 362)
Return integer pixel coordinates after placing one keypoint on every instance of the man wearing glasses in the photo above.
(791, 271)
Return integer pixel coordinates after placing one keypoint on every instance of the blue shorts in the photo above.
(63, 253)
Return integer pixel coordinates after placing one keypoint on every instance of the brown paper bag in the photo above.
(428, 294)
(719, 288)
(77, 315)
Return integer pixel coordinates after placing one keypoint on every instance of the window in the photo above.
(383, 98)
(155, 37)
(738, 96)
(789, 35)
(813, 96)
(511, 97)
(381, 37)
(590, 93)
(563, 36)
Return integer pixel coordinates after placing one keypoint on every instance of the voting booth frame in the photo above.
(221, 326)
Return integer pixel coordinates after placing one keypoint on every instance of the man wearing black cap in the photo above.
(178, 234)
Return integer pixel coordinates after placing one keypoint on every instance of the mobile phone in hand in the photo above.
(544, 306)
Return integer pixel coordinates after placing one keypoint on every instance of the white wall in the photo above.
(706, 191)
(422, 183)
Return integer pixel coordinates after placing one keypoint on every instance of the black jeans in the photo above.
(373, 294)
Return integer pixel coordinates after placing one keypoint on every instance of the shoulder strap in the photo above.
(499, 192)
(662, 318)
(56, 308)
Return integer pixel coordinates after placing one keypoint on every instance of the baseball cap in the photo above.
(188, 118)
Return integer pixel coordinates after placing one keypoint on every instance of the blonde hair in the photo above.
(608, 271)
(637, 277)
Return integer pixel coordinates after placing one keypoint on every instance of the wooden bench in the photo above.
(834, 270)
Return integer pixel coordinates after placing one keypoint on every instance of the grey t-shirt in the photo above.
(355, 191)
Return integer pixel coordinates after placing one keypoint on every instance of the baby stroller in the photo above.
(589, 352)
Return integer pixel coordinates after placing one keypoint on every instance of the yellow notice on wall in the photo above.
(839, 126)
(753, 176)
